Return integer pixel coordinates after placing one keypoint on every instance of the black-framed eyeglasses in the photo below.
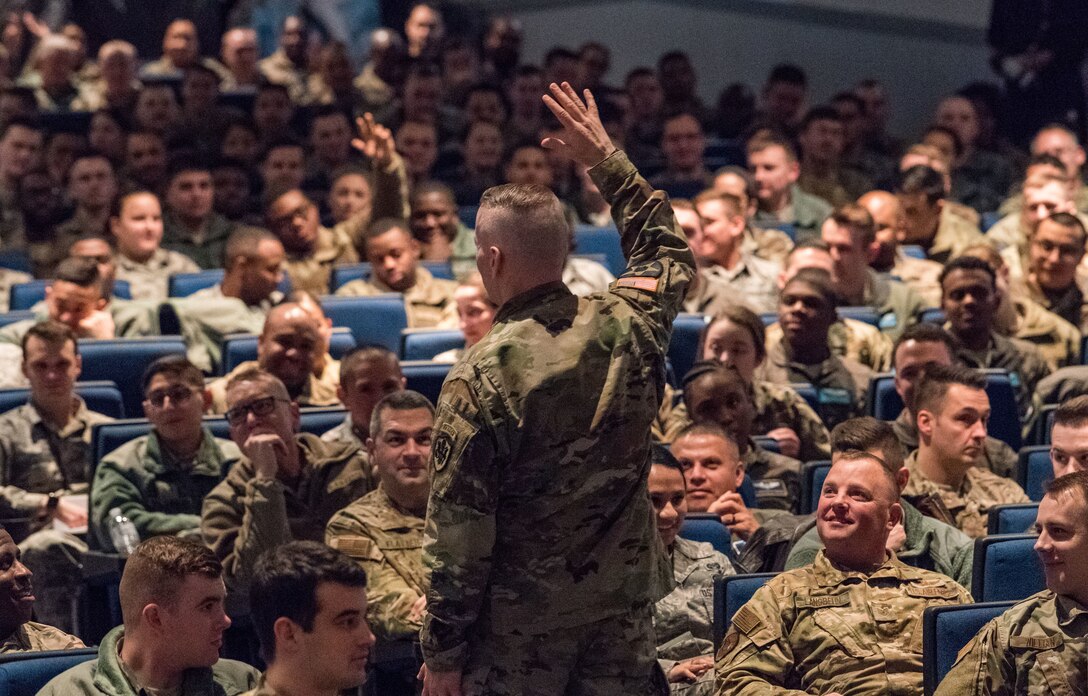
(177, 395)
(258, 407)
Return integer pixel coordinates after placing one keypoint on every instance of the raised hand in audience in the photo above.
(584, 138)
(375, 140)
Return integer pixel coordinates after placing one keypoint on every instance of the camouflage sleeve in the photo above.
(460, 531)
(755, 657)
(113, 489)
(805, 550)
(659, 261)
(391, 191)
(982, 668)
(15, 501)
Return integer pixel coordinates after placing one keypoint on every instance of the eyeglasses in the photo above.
(177, 395)
(258, 407)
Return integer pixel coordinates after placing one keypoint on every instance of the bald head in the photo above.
(289, 345)
(887, 214)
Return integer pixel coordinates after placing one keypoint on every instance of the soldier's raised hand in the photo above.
(584, 138)
(375, 140)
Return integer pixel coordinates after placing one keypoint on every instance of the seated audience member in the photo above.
(718, 394)
(17, 632)
(1044, 195)
(171, 596)
(769, 243)
(311, 621)
(806, 312)
(287, 348)
(190, 224)
(136, 225)
(1069, 437)
(713, 473)
(438, 229)
(285, 487)
(850, 235)
(75, 299)
(773, 163)
(239, 53)
(582, 276)
(782, 99)
(970, 300)
(45, 462)
(929, 221)
(475, 315)
(1037, 645)
(823, 174)
(1053, 277)
(180, 50)
(233, 197)
(91, 185)
(921, 275)
(283, 164)
(481, 146)
(782, 637)
(145, 160)
(312, 250)
(682, 143)
(159, 480)
(750, 279)
(99, 250)
(980, 178)
(919, 348)
(683, 618)
(918, 540)
(394, 258)
(1058, 141)
(383, 530)
(286, 68)
(951, 408)
(368, 374)
(939, 161)
(707, 294)
(417, 142)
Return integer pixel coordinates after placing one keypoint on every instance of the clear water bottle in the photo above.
(123, 533)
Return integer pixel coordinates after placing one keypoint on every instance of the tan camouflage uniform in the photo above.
(208, 315)
(708, 295)
(36, 637)
(771, 244)
(922, 275)
(841, 383)
(849, 338)
(9, 277)
(954, 234)
(429, 302)
(312, 271)
(1020, 359)
(149, 280)
(753, 282)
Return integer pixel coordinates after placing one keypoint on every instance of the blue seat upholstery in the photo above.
(317, 421)
(374, 320)
(1044, 422)
(185, 284)
(807, 392)
(768, 318)
(731, 592)
(945, 630)
(1033, 470)
(425, 377)
(768, 443)
(238, 348)
(17, 316)
(467, 213)
(913, 251)
(101, 396)
(787, 228)
(933, 315)
(684, 345)
(867, 315)
(345, 273)
(812, 482)
(1013, 518)
(988, 220)
(106, 437)
(723, 152)
(424, 344)
(24, 674)
(124, 360)
(882, 401)
(601, 240)
(703, 526)
(26, 295)
(16, 260)
(1006, 568)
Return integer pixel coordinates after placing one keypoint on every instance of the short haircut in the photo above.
(52, 333)
(257, 375)
(244, 242)
(1044, 159)
(745, 319)
(1073, 412)
(661, 456)
(820, 113)
(921, 179)
(349, 170)
(885, 469)
(177, 366)
(708, 428)
(1070, 222)
(119, 200)
(1070, 484)
(406, 400)
(79, 271)
(329, 111)
(354, 359)
(425, 188)
(713, 368)
(19, 122)
(868, 433)
(856, 217)
(788, 73)
(819, 280)
(544, 229)
(936, 381)
(813, 243)
(957, 144)
(768, 140)
(1054, 125)
(287, 578)
(969, 263)
(383, 225)
(280, 143)
(751, 188)
(925, 332)
(156, 570)
(183, 162)
(734, 204)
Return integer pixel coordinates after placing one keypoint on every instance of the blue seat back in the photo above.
(768, 443)
(601, 240)
(768, 318)
(26, 295)
(424, 344)
(882, 401)
(1006, 568)
(988, 220)
(123, 362)
(374, 320)
(238, 348)
(101, 397)
(106, 437)
(425, 377)
(467, 213)
(807, 392)
(684, 344)
(16, 260)
(731, 592)
(867, 315)
(185, 284)
(933, 315)
(787, 228)
(1034, 470)
(16, 316)
(317, 421)
(1014, 518)
(913, 251)
(706, 527)
(24, 674)
(945, 630)
(812, 482)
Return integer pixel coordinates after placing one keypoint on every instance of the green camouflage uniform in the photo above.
(150, 280)
(954, 234)
(710, 296)
(153, 489)
(823, 629)
(770, 243)
(36, 637)
(387, 541)
(684, 618)
(897, 305)
(997, 456)
(208, 252)
(1057, 340)
(1022, 361)
(776, 478)
(208, 315)
(540, 540)
(243, 516)
(849, 338)
(311, 272)
(108, 676)
(1036, 648)
(981, 491)
(428, 303)
(930, 545)
(841, 383)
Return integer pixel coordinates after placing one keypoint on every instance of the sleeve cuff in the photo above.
(610, 173)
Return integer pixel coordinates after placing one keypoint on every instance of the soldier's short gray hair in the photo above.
(406, 400)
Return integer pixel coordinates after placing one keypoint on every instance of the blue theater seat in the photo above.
(812, 483)
(425, 377)
(731, 592)
(26, 295)
(17, 316)
(345, 273)
(24, 674)
(424, 344)
(684, 345)
(807, 392)
(238, 348)
(123, 361)
(913, 251)
(601, 240)
(16, 260)
(1006, 568)
(706, 527)
(1033, 470)
(933, 315)
(1013, 518)
(100, 396)
(867, 315)
(945, 630)
(185, 284)
(374, 320)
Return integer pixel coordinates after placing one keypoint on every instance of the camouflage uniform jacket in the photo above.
(538, 513)
(683, 618)
(429, 302)
(281, 70)
(921, 275)
(346, 433)
(849, 338)
(954, 234)
(36, 637)
(208, 251)
(771, 244)
(930, 544)
(585, 276)
(1057, 340)
(318, 391)
(1036, 648)
(149, 280)
(1023, 362)
(9, 277)
(822, 628)
(753, 282)
(895, 302)
(709, 295)
(311, 272)
(36, 460)
(159, 494)
(841, 383)
(997, 456)
(244, 516)
(208, 315)
(776, 478)
(108, 676)
(387, 541)
(981, 491)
